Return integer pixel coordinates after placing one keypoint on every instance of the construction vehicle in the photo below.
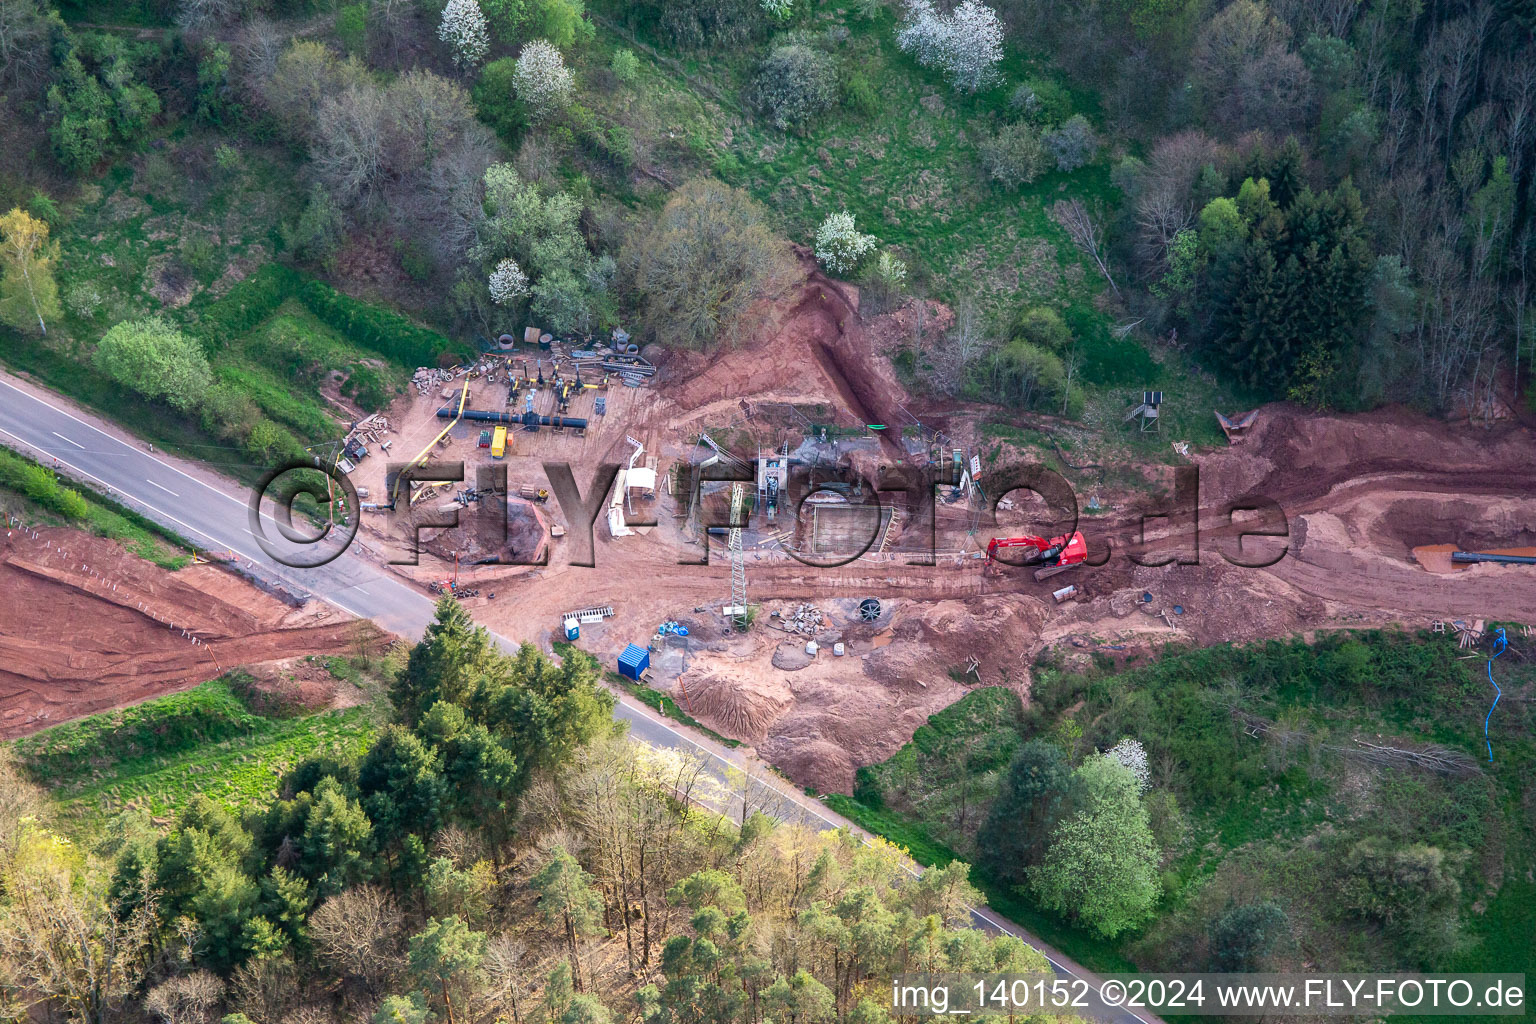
(529, 492)
(1054, 554)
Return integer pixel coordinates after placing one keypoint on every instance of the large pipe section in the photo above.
(525, 419)
(1467, 557)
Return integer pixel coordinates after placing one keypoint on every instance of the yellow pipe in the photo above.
(421, 458)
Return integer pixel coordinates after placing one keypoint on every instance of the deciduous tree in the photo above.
(1101, 865)
(27, 289)
(157, 360)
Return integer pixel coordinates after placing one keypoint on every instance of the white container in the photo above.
(811, 648)
(839, 650)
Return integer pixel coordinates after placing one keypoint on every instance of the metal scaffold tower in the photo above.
(738, 608)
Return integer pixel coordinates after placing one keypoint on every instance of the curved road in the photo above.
(212, 511)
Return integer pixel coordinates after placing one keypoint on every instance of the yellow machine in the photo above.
(499, 443)
(427, 451)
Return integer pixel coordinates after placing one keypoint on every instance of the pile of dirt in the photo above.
(86, 626)
(493, 529)
(745, 711)
(294, 686)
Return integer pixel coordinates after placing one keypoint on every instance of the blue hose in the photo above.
(1499, 643)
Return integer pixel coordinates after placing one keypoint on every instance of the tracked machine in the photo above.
(1053, 555)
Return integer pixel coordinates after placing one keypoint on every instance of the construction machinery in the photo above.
(1054, 554)
(448, 413)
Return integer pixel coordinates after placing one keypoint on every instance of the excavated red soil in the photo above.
(86, 626)
(812, 346)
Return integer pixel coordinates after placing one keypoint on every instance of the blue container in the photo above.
(634, 662)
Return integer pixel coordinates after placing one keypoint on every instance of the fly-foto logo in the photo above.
(1166, 533)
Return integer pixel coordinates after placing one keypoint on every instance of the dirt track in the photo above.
(86, 626)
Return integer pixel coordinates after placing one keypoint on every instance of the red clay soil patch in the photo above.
(86, 626)
(813, 346)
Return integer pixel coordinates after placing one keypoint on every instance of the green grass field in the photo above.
(157, 755)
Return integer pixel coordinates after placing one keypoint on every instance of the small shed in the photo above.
(634, 662)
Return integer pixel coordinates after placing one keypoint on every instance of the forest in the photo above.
(1321, 200)
(500, 852)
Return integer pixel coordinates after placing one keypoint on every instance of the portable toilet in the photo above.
(572, 629)
(634, 662)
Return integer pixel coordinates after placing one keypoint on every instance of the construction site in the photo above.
(786, 601)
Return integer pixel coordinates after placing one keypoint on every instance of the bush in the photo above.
(1041, 101)
(860, 96)
(366, 387)
(1243, 936)
(316, 234)
(387, 333)
(839, 245)
(256, 298)
(705, 258)
(1042, 326)
(795, 84)
(965, 43)
(156, 360)
(496, 102)
(625, 66)
(228, 413)
(541, 79)
(352, 27)
(246, 305)
(1072, 143)
(39, 484)
(1014, 156)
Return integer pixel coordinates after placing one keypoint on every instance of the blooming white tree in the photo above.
(779, 9)
(541, 78)
(839, 245)
(508, 283)
(463, 29)
(966, 44)
(1133, 756)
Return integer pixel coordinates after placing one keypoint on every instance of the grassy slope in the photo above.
(910, 174)
(103, 516)
(155, 756)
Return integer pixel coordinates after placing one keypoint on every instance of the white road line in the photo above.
(117, 440)
(164, 488)
(61, 437)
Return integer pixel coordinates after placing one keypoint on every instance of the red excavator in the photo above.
(1056, 554)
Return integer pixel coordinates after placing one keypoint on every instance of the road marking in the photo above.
(360, 590)
(61, 437)
(164, 488)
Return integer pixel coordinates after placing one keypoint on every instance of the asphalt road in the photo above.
(214, 512)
